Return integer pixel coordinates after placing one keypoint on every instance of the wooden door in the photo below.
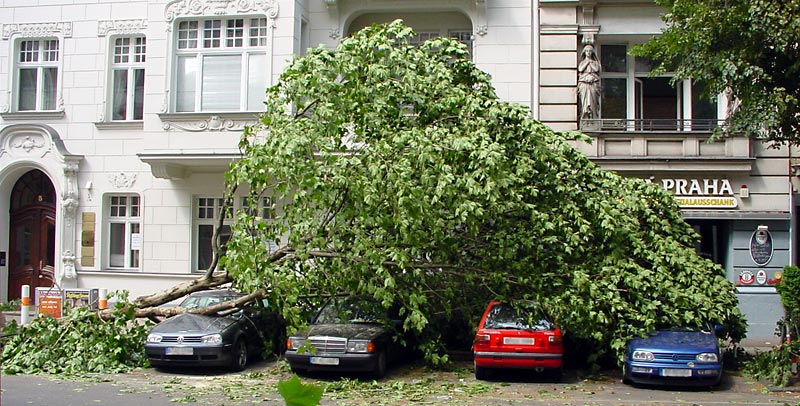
(32, 234)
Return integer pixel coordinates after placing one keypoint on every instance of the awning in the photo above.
(736, 214)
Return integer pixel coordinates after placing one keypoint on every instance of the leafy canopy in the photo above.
(748, 48)
(401, 176)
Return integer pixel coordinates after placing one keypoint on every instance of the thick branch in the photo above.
(181, 290)
(222, 309)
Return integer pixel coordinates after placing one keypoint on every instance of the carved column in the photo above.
(66, 274)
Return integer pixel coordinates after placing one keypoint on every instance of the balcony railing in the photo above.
(649, 125)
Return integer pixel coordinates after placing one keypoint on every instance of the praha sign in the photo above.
(702, 193)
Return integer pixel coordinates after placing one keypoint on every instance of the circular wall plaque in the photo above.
(761, 247)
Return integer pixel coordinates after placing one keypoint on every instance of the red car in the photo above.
(517, 337)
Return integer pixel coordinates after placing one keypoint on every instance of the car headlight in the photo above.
(212, 339)
(360, 346)
(294, 343)
(154, 338)
(707, 357)
(642, 356)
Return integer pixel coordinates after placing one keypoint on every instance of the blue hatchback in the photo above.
(678, 356)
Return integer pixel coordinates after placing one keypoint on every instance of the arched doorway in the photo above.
(32, 239)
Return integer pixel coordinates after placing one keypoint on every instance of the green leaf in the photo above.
(295, 393)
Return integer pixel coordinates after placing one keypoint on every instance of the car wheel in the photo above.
(239, 356)
(481, 373)
(625, 379)
(380, 366)
(716, 383)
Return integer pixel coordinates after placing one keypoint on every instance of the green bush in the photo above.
(789, 289)
(775, 365)
(80, 342)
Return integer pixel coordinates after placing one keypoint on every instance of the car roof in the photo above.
(216, 293)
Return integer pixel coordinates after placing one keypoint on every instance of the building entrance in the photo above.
(32, 233)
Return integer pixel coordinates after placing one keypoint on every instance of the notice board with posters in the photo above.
(50, 301)
(81, 298)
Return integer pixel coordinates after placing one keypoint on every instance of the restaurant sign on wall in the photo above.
(702, 193)
(761, 249)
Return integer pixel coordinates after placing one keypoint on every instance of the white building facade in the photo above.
(119, 118)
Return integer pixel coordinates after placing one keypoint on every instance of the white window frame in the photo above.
(125, 210)
(42, 58)
(198, 42)
(127, 54)
(206, 211)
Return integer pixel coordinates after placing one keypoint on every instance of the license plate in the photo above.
(683, 373)
(179, 351)
(518, 340)
(324, 361)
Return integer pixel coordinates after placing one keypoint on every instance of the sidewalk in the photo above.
(757, 345)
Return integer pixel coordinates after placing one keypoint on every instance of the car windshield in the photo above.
(349, 311)
(688, 329)
(193, 302)
(523, 316)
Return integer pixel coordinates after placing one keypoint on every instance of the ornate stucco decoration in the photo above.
(38, 30)
(481, 21)
(213, 123)
(41, 144)
(66, 275)
(69, 196)
(28, 143)
(331, 3)
(335, 33)
(120, 26)
(69, 264)
(122, 180)
(180, 8)
(588, 29)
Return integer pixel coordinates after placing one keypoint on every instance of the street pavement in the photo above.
(406, 384)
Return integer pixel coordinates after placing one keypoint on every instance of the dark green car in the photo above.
(215, 341)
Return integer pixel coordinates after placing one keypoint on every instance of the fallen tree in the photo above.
(398, 174)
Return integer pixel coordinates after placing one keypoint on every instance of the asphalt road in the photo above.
(409, 384)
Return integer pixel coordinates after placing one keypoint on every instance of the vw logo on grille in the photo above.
(674, 356)
(180, 339)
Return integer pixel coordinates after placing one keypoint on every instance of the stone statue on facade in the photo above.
(589, 83)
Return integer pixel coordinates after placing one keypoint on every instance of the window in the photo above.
(127, 78)
(220, 65)
(652, 103)
(37, 75)
(305, 37)
(207, 212)
(464, 36)
(266, 209)
(124, 231)
(423, 36)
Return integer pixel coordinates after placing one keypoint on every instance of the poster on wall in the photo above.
(74, 298)
(50, 301)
